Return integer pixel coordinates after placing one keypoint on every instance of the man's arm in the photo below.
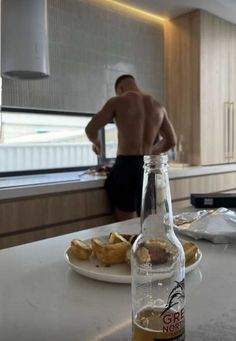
(167, 132)
(99, 120)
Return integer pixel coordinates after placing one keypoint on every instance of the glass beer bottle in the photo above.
(157, 262)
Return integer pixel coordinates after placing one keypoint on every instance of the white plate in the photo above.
(119, 273)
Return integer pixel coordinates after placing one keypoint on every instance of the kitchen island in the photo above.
(43, 299)
(42, 206)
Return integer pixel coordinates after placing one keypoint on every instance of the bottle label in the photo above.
(145, 334)
(173, 322)
(155, 324)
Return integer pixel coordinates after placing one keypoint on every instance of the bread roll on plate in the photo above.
(116, 237)
(108, 253)
(190, 250)
(80, 249)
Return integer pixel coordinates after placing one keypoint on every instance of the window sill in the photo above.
(33, 185)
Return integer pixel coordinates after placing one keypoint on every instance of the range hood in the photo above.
(24, 39)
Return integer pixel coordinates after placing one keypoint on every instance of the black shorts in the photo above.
(124, 183)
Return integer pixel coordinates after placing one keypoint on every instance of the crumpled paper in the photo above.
(218, 226)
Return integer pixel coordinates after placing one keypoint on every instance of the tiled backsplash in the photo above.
(89, 48)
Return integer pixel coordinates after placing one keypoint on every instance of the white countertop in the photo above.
(186, 172)
(41, 298)
(31, 185)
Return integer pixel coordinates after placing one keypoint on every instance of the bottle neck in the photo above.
(156, 213)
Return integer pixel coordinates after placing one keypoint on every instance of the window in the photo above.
(110, 141)
(39, 140)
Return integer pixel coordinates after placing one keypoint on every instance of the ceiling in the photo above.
(171, 8)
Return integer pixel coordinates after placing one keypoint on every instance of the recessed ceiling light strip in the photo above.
(130, 10)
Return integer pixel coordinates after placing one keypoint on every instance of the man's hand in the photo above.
(96, 147)
(169, 138)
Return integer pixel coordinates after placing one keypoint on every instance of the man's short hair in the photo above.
(121, 78)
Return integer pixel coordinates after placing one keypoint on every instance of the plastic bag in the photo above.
(218, 226)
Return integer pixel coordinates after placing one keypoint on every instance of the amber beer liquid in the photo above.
(157, 262)
(170, 327)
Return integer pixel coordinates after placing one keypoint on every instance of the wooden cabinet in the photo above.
(214, 88)
(200, 56)
(232, 87)
(27, 219)
(182, 81)
(181, 189)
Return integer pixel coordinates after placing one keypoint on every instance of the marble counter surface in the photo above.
(23, 186)
(31, 185)
(43, 299)
(186, 172)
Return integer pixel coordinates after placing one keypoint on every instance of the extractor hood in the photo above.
(24, 39)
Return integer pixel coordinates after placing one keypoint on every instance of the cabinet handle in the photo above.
(1, 125)
(232, 128)
(1, 120)
(226, 130)
(229, 132)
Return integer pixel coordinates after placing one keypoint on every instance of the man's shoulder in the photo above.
(111, 102)
(154, 101)
(112, 99)
(159, 105)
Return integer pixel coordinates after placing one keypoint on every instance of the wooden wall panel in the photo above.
(182, 81)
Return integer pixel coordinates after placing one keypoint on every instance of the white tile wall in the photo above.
(89, 48)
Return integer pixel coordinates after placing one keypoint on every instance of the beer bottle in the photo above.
(157, 262)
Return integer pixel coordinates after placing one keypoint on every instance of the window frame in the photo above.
(100, 160)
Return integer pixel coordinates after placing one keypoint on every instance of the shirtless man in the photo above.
(140, 119)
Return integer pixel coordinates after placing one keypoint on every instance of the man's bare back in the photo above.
(140, 120)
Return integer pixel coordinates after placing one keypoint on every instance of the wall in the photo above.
(89, 48)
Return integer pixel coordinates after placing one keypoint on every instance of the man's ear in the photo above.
(118, 91)
(121, 89)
